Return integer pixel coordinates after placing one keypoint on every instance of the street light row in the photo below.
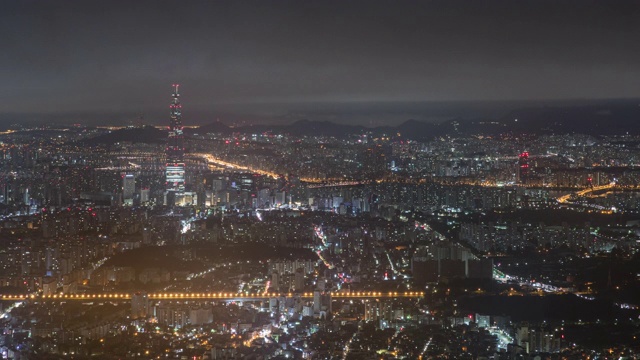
(124, 296)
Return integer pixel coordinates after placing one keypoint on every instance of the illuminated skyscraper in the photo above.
(523, 168)
(175, 145)
(128, 186)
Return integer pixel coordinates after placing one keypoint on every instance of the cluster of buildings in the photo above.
(290, 215)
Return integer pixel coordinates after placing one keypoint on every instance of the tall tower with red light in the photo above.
(523, 168)
(175, 168)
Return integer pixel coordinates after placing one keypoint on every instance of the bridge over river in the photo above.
(224, 296)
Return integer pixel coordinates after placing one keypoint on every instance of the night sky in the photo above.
(242, 56)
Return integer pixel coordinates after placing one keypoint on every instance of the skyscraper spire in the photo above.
(175, 145)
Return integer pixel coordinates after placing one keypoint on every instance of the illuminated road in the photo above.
(585, 192)
(323, 238)
(329, 183)
(425, 348)
(210, 159)
(211, 296)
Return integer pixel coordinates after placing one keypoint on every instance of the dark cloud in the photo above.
(87, 55)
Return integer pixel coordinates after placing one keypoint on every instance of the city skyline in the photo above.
(348, 180)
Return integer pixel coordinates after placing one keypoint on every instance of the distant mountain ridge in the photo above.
(316, 128)
(593, 120)
(144, 134)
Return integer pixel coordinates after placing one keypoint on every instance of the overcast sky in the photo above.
(65, 56)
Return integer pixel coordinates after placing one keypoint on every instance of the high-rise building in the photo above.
(275, 280)
(144, 195)
(523, 168)
(280, 198)
(299, 279)
(175, 146)
(139, 305)
(128, 186)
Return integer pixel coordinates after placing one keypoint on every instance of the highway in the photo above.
(565, 198)
(209, 296)
(210, 159)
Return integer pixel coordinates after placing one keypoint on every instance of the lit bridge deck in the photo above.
(208, 296)
(585, 192)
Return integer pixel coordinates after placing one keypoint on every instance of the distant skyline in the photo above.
(288, 58)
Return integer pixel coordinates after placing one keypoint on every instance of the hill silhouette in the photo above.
(144, 134)
(613, 118)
